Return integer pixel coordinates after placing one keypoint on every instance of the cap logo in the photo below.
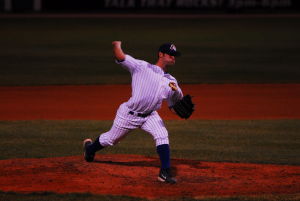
(172, 47)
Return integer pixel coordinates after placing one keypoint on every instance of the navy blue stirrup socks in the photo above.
(164, 155)
(95, 146)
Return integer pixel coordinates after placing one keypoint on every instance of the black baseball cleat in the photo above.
(165, 176)
(89, 157)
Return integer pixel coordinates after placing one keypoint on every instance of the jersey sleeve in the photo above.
(131, 64)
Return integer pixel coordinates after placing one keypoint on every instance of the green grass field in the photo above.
(77, 51)
(215, 50)
(249, 141)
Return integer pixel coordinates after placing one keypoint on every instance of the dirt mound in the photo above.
(134, 175)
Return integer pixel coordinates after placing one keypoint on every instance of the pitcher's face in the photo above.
(168, 59)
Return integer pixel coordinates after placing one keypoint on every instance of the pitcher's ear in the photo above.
(160, 54)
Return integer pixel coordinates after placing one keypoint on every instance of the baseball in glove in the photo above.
(184, 107)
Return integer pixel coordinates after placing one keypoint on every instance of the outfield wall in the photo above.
(181, 6)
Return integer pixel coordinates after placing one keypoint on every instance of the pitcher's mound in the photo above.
(134, 175)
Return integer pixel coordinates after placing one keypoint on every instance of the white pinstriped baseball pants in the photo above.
(125, 122)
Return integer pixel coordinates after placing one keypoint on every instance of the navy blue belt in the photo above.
(140, 114)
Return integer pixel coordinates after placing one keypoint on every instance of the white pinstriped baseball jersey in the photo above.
(150, 86)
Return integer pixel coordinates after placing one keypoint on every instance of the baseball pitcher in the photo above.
(151, 84)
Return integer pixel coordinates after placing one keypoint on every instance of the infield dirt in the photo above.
(100, 102)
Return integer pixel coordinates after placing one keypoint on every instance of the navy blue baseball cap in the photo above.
(169, 49)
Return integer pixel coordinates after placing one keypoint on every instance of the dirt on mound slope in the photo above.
(134, 175)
